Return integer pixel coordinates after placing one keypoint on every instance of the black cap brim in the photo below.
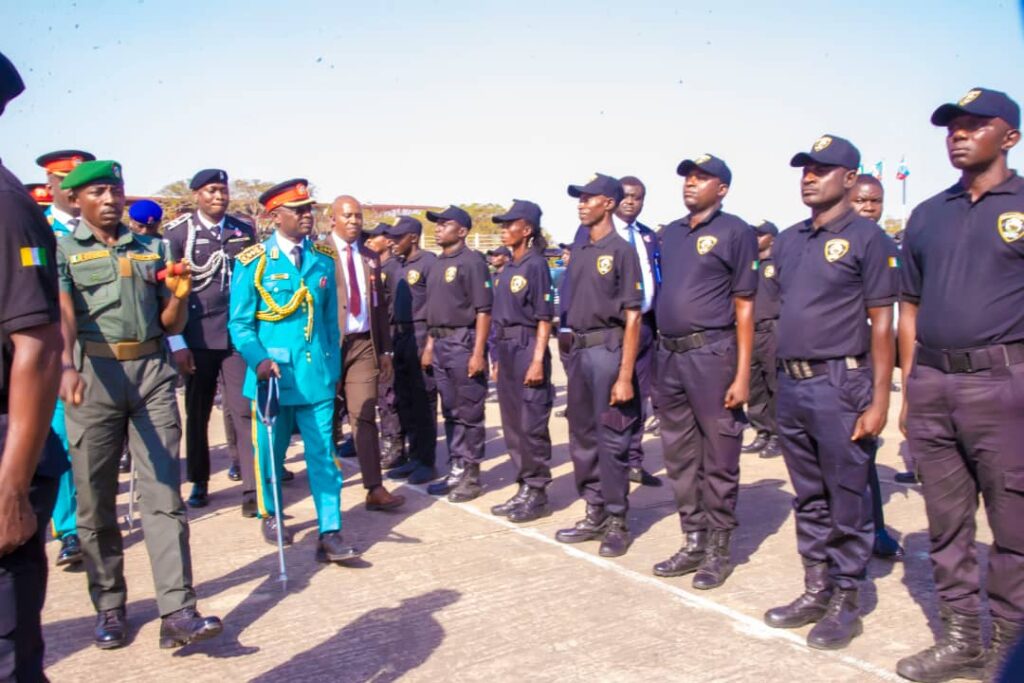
(802, 159)
(946, 113)
(576, 191)
(434, 217)
(685, 166)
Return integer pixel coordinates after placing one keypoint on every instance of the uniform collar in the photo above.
(216, 228)
(457, 252)
(60, 215)
(83, 233)
(530, 253)
(286, 244)
(707, 221)
(1012, 185)
(601, 242)
(836, 225)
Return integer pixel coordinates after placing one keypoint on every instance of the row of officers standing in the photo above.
(334, 321)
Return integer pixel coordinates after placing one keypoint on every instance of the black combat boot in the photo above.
(468, 486)
(443, 487)
(187, 626)
(590, 528)
(757, 445)
(809, 607)
(533, 507)
(958, 653)
(616, 539)
(1005, 634)
(503, 509)
(687, 559)
(840, 624)
(717, 564)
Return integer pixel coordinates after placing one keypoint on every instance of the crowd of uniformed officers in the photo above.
(692, 320)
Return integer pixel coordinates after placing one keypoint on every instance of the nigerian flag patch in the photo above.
(33, 256)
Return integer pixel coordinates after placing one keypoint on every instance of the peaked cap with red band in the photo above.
(291, 193)
(61, 163)
(40, 193)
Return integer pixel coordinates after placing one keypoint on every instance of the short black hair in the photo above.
(633, 180)
(867, 179)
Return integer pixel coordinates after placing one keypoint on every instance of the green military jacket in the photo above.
(116, 294)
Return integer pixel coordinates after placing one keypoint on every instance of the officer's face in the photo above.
(153, 229)
(593, 208)
(702, 190)
(378, 243)
(404, 244)
(347, 219)
(513, 235)
(974, 142)
(294, 223)
(212, 200)
(100, 204)
(61, 198)
(632, 203)
(822, 186)
(449, 233)
(867, 200)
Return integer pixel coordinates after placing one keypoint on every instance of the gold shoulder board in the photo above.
(250, 254)
(325, 249)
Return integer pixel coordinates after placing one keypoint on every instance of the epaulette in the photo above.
(325, 249)
(237, 224)
(250, 254)
(182, 219)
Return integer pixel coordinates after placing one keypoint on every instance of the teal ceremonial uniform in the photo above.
(64, 521)
(290, 315)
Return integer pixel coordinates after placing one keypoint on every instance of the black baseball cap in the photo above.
(766, 227)
(601, 184)
(11, 84)
(521, 209)
(500, 251)
(980, 102)
(405, 225)
(708, 164)
(452, 213)
(378, 230)
(830, 150)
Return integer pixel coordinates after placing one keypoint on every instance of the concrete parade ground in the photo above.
(448, 592)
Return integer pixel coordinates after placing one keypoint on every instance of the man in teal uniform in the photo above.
(284, 322)
(61, 215)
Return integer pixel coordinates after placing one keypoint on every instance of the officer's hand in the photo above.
(266, 369)
(903, 413)
(72, 387)
(534, 374)
(622, 392)
(737, 394)
(427, 359)
(869, 424)
(477, 365)
(17, 520)
(181, 284)
(387, 368)
(185, 361)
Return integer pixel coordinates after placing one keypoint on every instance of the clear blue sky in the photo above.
(435, 102)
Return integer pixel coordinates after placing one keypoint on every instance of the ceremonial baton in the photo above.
(267, 405)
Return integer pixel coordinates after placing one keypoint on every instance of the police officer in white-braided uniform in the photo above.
(210, 239)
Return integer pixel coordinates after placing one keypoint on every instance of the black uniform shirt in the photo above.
(522, 292)
(766, 301)
(28, 289)
(827, 279)
(391, 274)
(604, 281)
(702, 269)
(964, 266)
(411, 294)
(458, 287)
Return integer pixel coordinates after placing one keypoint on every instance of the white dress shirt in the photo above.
(645, 263)
(215, 228)
(286, 246)
(354, 324)
(61, 216)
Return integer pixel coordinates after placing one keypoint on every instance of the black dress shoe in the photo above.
(616, 539)
(347, 448)
(638, 475)
(422, 474)
(249, 505)
(187, 626)
(124, 465)
(533, 507)
(687, 559)
(70, 551)
(905, 478)
(886, 547)
(590, 528)
(287, 474)
(111, 629)
(757, 445)
(502, 509)
(772, 449)
(269, 527)
(331, 548)
(404, 470)
(198, 498)
(235, 472)
(841, 622)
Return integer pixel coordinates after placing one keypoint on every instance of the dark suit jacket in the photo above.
(375, 297)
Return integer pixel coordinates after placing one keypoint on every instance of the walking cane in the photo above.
(266, 410)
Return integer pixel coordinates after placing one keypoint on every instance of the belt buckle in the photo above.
(959, 361)
(698, 340)
(800, 369)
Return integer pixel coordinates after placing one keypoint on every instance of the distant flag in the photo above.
(903, 170)
(878, 170)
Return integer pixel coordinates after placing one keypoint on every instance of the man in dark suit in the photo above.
(211, 239)
(366, 352)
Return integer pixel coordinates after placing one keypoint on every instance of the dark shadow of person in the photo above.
(381, 646)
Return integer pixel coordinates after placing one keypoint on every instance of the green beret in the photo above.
(89, 172)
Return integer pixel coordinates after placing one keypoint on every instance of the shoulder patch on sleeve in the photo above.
(325, 249)
(250, 254)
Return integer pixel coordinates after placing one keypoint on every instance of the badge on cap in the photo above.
(769, 271)
(517, 283)
(706, 244)
(836, 249)
(821, 143)
(413, 277)
(604, 264)
(450, 272)
(969, 97)
(1011, 226)
(703, 158)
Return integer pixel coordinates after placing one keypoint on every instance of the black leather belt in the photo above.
(514, 331)
(766, 325)
(442, 332)
(806, 369)
(583, 340)
(953, 361)
(694, 341)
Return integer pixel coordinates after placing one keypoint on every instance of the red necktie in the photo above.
(355, 301)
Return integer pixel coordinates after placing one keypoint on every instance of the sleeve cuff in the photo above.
(176, 342)
(878, 303)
